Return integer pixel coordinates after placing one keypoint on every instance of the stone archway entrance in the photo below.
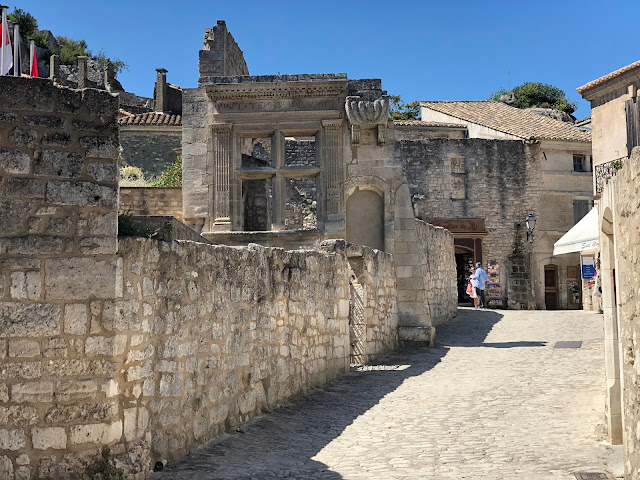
(365, 218)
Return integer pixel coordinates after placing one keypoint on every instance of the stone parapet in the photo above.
(151, 201)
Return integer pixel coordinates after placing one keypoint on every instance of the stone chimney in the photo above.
(82, 71)
(54, 67)
(161, 92)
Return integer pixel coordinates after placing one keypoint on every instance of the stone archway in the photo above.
(365, 217)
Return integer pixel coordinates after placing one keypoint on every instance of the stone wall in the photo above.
(59, 403)
(153, 150)
(151, 201)
(221, 55)
(439, 266)
(626, 186)
(216, 335)
(497, 180)
(373, 312)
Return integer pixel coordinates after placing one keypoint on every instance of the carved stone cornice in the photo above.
(275, 90)
(366, 114)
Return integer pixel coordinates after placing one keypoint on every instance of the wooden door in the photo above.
(551, 287)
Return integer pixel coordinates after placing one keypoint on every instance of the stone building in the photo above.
(616, 128)
(512, 162)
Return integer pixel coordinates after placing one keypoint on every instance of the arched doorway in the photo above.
(365, 218)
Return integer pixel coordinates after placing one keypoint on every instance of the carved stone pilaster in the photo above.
(364, 114)
(222, 176)
(333, 165)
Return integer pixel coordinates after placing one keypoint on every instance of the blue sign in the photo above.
(588, 267)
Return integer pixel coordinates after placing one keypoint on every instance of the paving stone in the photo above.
(493, 400)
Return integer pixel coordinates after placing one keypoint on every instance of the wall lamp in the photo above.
(530, 222)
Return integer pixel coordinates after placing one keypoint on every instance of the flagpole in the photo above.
(16, 51)
(4, 25)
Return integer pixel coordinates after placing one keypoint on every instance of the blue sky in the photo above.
(422, 50)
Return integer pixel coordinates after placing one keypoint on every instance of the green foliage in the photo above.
(115, 63)
(535, 94)
(40, 38)
(403, 111)
(171, 177)
(127, 227)
(617, 164)
(27, 23)
(70, 50)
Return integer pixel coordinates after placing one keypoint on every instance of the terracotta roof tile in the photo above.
(608, 77)
(152, 119)
(420, 123)
(513, 121)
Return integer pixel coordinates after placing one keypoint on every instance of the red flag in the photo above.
(33, 71)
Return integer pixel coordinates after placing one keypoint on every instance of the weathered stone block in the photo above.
(30, 245)
(80, 278)
(25, 188)
(75, 319)
(105, 345)
(103, 172)
(24, 138)
(25, 320)
(54, 163)
(100, 103)
(24, 348)
(76, 389)
(100, 147)
(81, 193)
(12, 440)
(6, 468)
(56, 139)
(48, 121)
(25, 285)
(32, 392)
(100, 433)
(14, 161)
(49, 437)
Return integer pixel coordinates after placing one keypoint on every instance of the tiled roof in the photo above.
(607, 77)
(152, 118)
(513, 121)
(420, 123)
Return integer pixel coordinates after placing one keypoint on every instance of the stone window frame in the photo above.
(278, 172)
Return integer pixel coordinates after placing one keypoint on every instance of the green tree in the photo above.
(117, 64)
(171, 177)
(27, 23)
(403, 111)
(536, 94)
(70, 50)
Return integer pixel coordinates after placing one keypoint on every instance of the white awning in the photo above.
(583, 235)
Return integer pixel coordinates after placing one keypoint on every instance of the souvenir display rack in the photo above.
(493, 293)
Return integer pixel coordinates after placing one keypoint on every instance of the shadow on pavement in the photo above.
(282, 443)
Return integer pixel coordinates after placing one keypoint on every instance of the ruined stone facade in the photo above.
(119, 353)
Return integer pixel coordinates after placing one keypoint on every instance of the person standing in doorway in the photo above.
(480, 281)
(473, 283)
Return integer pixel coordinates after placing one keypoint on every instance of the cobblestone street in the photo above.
(493, 400)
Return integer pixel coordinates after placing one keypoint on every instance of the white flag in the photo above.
(6, 55)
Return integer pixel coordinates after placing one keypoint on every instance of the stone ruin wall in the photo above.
(151, 201)
(117, 354)
(439, 264)
(59, 400)
(477, 178)
(152, 151)
(626, 187)
(373, 303)
(215, 335)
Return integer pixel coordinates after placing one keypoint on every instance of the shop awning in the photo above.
(583, 235)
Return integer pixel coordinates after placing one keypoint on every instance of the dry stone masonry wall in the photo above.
(439, 264)
(215, 335)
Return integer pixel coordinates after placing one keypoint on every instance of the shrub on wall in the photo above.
(132, 177)
(171, 177)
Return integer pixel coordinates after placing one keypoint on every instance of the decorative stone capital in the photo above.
(364, 114)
